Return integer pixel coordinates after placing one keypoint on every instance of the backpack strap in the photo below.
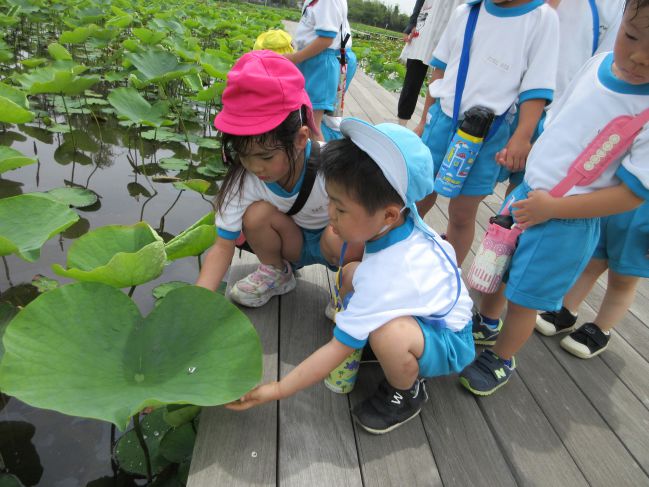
(310, 174)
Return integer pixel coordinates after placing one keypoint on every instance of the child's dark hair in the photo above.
(281, 137)
(344, 163)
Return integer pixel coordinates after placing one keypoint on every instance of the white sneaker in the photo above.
(267, 281)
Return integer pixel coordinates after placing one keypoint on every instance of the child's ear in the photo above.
(392, 214)
(302, 138)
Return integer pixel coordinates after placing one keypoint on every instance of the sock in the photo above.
(490, 322)
(508, 363)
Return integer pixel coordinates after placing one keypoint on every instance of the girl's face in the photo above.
(631, 51)
(351, 221)
(269, 165)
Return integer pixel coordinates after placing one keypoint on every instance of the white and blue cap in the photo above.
(402, 156)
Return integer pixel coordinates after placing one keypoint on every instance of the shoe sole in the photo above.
(467, 386)
(487, 343)
(578, 353)
(257, 303)
(387, 430)
(548, 329)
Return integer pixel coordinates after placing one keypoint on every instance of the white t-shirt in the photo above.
(313, 215)
(576, 35)
(322, 18)
(592, 100)
(513, 55)
(403, 273)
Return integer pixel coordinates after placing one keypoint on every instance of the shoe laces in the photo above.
(265, 273)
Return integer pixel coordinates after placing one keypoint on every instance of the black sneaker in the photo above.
(551, 323)
(484, 334)
(389, 408)
(586, 341)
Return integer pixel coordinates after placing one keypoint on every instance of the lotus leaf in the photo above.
(194, 240)
(77, 36)
(177, 444)
(121, 20)
(131, 105)
(198, 185)
(216, 63)
(148, 36)
(173, 164)
(157, 66)
(7, 312)
(128, 452)
(44, 283)
(177, 415)
(162, 290)
(58, 52)
(11, 158)
(76, 197)
(14, 107)
(28, 221)
(53, 80)
(213, 167)
(8, 480)
(210, 93)
(117, 255)
(33, 62)
(85, 350)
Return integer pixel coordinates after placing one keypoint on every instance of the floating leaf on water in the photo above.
(165, 179)
(75, 197)
(194, 240)
(173, 164)
(162, 290)
(44, 283)
(198, 185)
(97, 329)
(13, 159)
(136, 190)
(117, 255)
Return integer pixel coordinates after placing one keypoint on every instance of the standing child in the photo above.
(264, 125)
(408, 299)
(518, 63)
(322, 29)
(562, 233)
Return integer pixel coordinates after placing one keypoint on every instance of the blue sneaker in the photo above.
(487, 373)
(484, 334)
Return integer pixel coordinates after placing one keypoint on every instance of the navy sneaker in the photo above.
(487, 373)
(586, 341)
(484, 334)
(550, 323)
(389, 408)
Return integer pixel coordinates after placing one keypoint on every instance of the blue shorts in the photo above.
(549, 259)
(484, 173)
(311, 253)
(445, 351)
(321, 75)
(624, 242)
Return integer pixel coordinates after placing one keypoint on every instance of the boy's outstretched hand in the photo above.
(537, 208)
(259, 395)
(514, 155)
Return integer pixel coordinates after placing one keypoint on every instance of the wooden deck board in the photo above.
(560, 420)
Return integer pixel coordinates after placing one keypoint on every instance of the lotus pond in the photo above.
(108, 167)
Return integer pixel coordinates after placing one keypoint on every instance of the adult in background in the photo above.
(422, 34)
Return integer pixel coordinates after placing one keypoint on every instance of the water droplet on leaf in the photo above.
(191, 370)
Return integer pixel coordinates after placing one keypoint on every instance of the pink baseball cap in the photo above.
(262, 89)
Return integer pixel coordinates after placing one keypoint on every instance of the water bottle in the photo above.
(463, 151)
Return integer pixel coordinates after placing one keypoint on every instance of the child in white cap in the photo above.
(406, 297)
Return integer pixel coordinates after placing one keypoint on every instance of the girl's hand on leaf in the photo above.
(259, 395)
(537, 208)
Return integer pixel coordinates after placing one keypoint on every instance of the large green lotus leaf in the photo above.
(55, 80)
(130, 104)
(128, 452)
(117, 255)
(76, 197)
(216, 63)
(210, 93)
(156, 65)
(177, 415)
(14, 107)
(85, 350)
(11, 158)
(198, 185)
(27, 221)
(7, 312)
(58, 52)
(148, 36)
(78, 35)
(193, 241)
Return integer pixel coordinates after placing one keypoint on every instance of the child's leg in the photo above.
(317, 120)
(584, 284)
(462, 212)
(397, 345)
(517, 328)
(620, 292)
(273, 235)
(425, 205)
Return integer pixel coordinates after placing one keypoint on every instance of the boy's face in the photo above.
(631, 51)
(351, 221)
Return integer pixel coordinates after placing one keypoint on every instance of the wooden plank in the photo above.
(464, 447)
(401, 457)
(316, 442)
(239, 448)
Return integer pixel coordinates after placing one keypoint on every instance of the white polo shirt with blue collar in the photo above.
(313, 216)
(403, 273)
(513, 56)
(322, 18)
(594, 98)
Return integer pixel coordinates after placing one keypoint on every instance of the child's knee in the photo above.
(621, 283)
(258, 214)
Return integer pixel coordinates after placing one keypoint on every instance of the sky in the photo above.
(405, 6)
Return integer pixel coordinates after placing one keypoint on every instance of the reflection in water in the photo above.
(18, 453)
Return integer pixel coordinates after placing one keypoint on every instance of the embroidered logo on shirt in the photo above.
(499, 64)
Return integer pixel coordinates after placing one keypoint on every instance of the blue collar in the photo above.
(609, 80)
(395, 235)
(499, 11)
(281, 192)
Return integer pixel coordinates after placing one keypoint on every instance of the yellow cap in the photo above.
(274, 40)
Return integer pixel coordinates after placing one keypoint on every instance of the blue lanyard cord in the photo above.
(595, 12)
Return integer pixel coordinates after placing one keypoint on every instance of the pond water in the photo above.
(42, 447)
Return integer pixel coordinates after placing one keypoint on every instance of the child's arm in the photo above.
(217, 262)
(313, 49)
(312, 369)
(540, 206)
(514, 155)
(434, 76)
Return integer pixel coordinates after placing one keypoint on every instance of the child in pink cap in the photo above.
(265, 124)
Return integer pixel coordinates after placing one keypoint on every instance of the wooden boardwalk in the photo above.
(560, 421)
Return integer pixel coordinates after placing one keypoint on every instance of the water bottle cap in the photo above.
(477, 121)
